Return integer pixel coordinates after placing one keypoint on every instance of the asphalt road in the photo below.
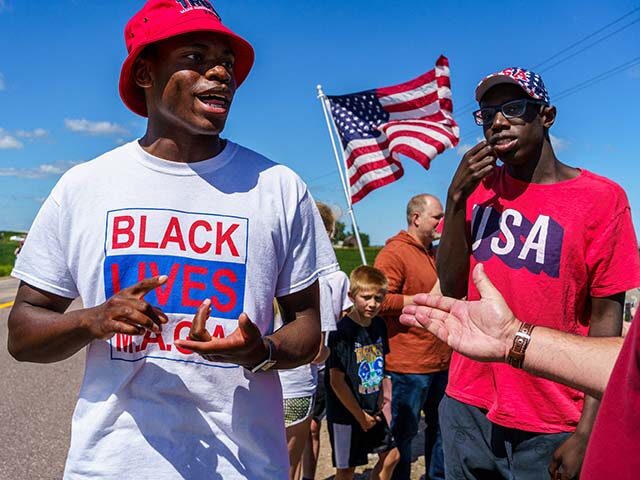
(8, 287)
(36, 404)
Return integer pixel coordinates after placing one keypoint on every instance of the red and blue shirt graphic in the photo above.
(203, 254)
(533, 244)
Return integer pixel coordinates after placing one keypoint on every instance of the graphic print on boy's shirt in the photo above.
(203, 254)
(370, 359)
(519, 242)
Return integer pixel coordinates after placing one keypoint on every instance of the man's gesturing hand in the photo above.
(126, 312)
(244, 346)
(482, 329)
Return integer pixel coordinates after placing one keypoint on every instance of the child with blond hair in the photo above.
(354, 381)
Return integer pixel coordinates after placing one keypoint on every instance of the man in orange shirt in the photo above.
(417, 361)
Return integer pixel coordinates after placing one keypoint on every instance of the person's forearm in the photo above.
(606, 321)
(42, 336)
(297, 342)
(589, 414)
(383, 392)
(344, 394)
(584, 363)
(452, 258)
(322, 355)
(393, 304)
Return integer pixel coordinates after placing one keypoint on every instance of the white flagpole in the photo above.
(329, 119)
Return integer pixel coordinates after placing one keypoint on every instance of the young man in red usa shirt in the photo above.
(556, 241)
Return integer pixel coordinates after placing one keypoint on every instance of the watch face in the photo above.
(263, 366)
(267, 365)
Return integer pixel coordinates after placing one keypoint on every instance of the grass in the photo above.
(7, 247)
(349, 258)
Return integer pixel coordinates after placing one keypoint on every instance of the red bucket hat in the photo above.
(162, 19)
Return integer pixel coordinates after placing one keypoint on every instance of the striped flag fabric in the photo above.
(376, 126)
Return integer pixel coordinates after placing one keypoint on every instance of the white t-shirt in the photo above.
(237, 228)
(302, 381)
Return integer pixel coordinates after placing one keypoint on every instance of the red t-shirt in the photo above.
(614, 445)
(547, 248)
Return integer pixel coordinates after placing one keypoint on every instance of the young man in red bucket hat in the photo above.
(177, 243)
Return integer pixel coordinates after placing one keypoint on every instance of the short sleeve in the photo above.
(42, 262)
(327, 315)
(344, 293)
(334, 298)
(308, 253)
(612, 258)
(338, 351)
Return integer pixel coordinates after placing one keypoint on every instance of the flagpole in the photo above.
(325, 108)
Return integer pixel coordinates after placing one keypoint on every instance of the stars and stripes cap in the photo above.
(163, 19)
(529, 81)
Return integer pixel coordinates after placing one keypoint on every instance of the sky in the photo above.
(60, 63)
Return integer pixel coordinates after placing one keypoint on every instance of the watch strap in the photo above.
(268, 362)
(515, 358)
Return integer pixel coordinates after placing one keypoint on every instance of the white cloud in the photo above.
(558, 143)
(464, 148)
(94, 128)
(3, 85)
(41, 171)
(36, 133)
(9, 142)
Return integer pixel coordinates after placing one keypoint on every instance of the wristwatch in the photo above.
(521, 341)
(267, 363)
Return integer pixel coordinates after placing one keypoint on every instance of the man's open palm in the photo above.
(481, 329)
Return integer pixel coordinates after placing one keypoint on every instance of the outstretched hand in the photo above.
(482, 330)
(244, 347)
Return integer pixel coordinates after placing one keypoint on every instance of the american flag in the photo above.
(376, 126)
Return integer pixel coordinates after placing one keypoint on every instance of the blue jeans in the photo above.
(411, 394)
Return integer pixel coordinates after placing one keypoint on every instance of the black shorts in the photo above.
(320, 402)
(350, 445)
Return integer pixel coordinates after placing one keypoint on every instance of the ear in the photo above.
(414, 219)
(548, 115)
(142, 73)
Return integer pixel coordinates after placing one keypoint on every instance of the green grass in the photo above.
(7, 247)
(349, 258)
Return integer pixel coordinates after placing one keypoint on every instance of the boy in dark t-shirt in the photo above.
(354, 374)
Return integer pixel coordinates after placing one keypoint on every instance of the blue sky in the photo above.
(60, 62)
